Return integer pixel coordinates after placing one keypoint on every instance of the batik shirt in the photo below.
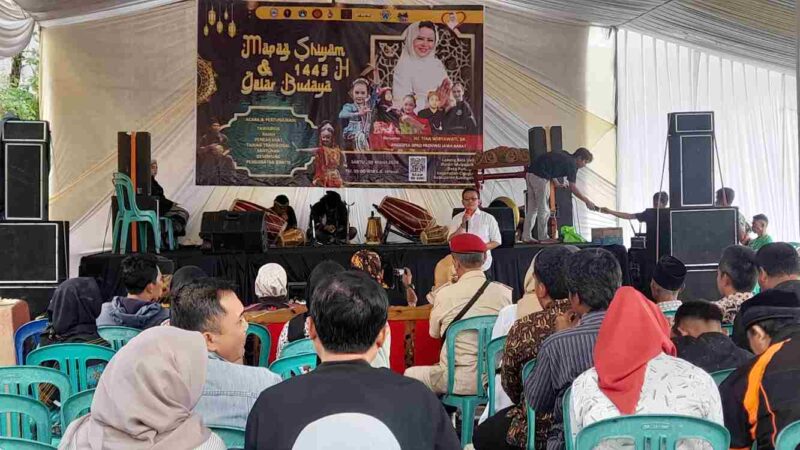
(731, 303)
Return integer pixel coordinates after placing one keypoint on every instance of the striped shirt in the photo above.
(563, 357)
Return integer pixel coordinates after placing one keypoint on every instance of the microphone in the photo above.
(468, 215)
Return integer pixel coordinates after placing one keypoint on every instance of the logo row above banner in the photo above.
(338, 96)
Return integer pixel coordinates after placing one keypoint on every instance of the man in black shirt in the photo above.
(345, 403)
(550, 166)
(660, 201)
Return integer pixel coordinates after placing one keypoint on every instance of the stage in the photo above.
(509, 266)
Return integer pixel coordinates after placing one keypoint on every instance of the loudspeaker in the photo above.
(26, 131)
(691, 159)
(34, 253)
(133, 159)
(700, 284)
(233, 231)
(26, 180)
(556, 141)
(537, 142)
(698, 236)
(505, 221)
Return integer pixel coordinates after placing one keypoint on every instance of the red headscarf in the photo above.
(633, 332)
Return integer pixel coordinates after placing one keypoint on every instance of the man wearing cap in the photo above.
(471, 295)
(761, 398)
(667, 283)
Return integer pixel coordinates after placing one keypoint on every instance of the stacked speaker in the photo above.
(35, 249)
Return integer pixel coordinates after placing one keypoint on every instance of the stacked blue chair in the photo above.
(33, 330)
(298, 347)
(9, 443)
(72, 360)
(788, 438)
(657, 431)
(76, 406)
(233, 437)
(495, 348)
(128, 212)
(265, 342)
(29, 418)
(721, 375)
(527, 369)
(294, 365)
(117, 336)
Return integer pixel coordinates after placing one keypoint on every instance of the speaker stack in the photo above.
(35, 249)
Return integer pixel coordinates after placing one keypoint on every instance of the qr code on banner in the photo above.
(417, 168)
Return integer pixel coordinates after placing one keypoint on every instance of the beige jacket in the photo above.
(447, 303)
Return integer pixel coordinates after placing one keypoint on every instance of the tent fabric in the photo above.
(137, 72)
(16, 28)
(755, 119)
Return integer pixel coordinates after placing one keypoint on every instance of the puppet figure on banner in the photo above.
(338, 96)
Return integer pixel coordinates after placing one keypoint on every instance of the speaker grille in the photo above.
(25, 182)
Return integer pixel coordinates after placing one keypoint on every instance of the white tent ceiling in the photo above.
(760, 30)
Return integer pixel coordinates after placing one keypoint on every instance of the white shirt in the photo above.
(483, 225)
(671, 386)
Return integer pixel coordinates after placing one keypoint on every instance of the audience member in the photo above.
(184, 276)
(701, 341)
(508, 427)
(761, 398)
(667, 283)
(166, 207)
(636, 372)
(140, 308)
(281, 207)
(593, 276)
(146, 395)
(724, 199)
(444, 272)
(271, 286)
(370, 263)
(472, 295)
(760, 223)
(474, 220)
(329, 217)
(345, 403)
(779, 268)
(211, 307)
(737, 276)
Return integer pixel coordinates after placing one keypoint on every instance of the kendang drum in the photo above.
(374, 230)
(275, 223)
(292, 237)
(409, 219)
(434, 235)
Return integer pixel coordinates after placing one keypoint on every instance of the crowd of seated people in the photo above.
(615, 351)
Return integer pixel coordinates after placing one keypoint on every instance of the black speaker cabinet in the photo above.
(133, 159)
(233, 231)
(691, 159)
(700, 284)
(505, 221)
(34, 253)
(698, 236)
(26, 180)
(537, 142)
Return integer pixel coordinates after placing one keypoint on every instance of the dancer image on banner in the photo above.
(419, 71)
(387, 116)
(328, 158)
(359, 117)
(410, 122)
(459, 119)
(434, 114)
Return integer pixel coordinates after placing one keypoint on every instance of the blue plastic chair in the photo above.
(9, 443)
(166, 224)
(298, 347)
(29, 381)
(527, 369)
(789, 437)
(569, 444)
(233, 437)
(265, 342)
(128, 212)
(728, 329)
(33, 412)
(32, 329)
(468, 403)
(494, 350)
(72, 360)
(117, 336)
(721, 375)
(76, 406)
(294, 365)
(655, 431)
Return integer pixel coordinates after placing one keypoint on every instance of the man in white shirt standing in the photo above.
(474, 221)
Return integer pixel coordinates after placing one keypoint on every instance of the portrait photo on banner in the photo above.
(338, 96)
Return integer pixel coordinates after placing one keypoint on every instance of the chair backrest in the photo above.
(233, 437)
(32, 330)
(8, 443)
(660, 431)
(294, 365)
(265, 342)
(494, 350)
(569, 443)
(527, 369)
(483, 326)
(297, 347)
(721, 375)
(26, 381)
(670, 314)
(33, 412)
(76, 406)
(117, 336)
(72, 360)
(789, 437)
(126, 198)
(728, 329)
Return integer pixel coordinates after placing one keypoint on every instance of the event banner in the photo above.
(333, 96)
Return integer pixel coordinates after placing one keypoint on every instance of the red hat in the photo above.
(467, 243)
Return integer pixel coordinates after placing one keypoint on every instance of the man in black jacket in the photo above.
(701, 341)
(329, 218)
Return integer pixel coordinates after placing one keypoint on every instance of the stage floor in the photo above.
(509, 266)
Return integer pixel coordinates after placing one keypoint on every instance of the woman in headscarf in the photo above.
(146, 396)
(297, 327)
(419, 71)
(72, 313)
(636, 371)
(271, 286)
(370, 263)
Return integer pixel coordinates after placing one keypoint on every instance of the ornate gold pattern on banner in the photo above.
(223, 20)
(206, 80)
(212, 17)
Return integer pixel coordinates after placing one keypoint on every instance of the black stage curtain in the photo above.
(509, 265)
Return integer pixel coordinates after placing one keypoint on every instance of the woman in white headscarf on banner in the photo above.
(419, 71)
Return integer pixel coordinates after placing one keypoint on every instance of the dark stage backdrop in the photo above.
(509, 266)
(270, 76)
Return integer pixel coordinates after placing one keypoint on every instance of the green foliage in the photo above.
(20, 96)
